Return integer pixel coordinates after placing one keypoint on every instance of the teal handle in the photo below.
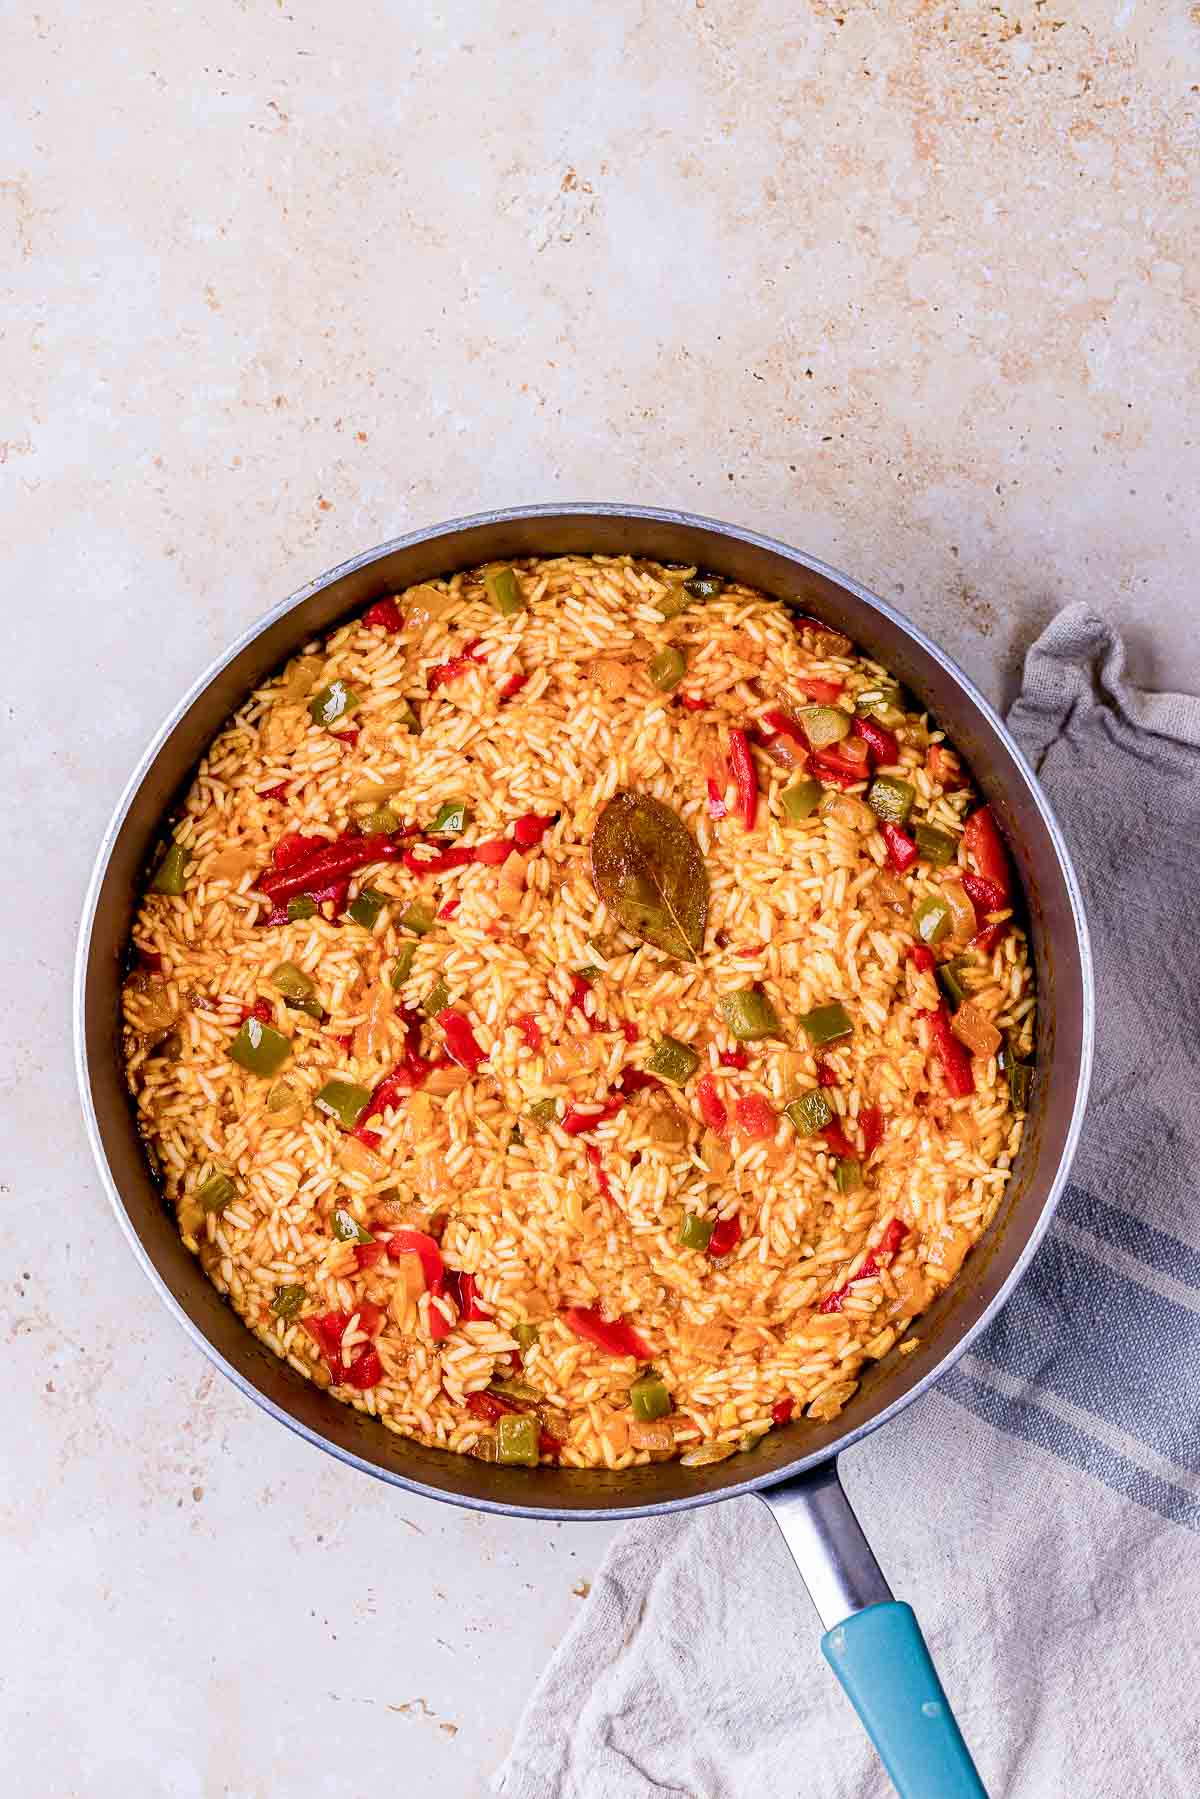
(879, 1655)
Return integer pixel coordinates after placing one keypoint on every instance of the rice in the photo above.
(545, 1221)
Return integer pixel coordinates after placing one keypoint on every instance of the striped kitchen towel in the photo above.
(1040, 1506)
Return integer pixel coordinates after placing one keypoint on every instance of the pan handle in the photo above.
(873, 1642)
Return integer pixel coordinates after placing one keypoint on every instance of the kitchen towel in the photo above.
(1040, 1506)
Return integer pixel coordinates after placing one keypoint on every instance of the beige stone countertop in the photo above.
(910, 285)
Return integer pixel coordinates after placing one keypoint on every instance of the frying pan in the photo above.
(872, 1642)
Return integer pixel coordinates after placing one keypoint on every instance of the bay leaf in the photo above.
(648, 870)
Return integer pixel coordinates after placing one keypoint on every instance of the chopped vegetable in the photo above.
(881, 698)
(949, 979)
(616, 1338)
(170, 876)
(810, 1112)
(694, 1231)
(330, 703)
(931, 919)
(890, 799)
(417, 917)
(504, 590)
(973, 1027)
(437, 999)
(420, 1244)
(841, 764)
(749, 1015)
(674, 601)
(800, 800)
(985, 846)
(673, 1061)
(712, 1106)
(824, 725)
(837, 1142)
(986, 896)
(953, 1058)
(883, 748)
(461, 1045)
(531, 1033)
(667, 669)
(384, 615)
(782, 1410)
(902, 851)
(936, 847)
(745, 777)
(848, 1174)
(825, 693)
(716, 799)
(544, 1111)
(526, 1336)
(705, 587)
(755, 1118)
(648, 870)
(288, 1300)
(452, 819)
(347, 1229)
(301, 907)
(402, 966)
(517, 1440)
(260, 1048)
(648, 1397)
(826, 1023)
(292, 982)
(217, 1192)
(872, 1121)
(1020, 1081)
(320, 867)
(365, 910)
(894, 1233)
(726, 1235)
(344, 1101)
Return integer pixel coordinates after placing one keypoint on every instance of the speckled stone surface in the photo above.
(912, 285)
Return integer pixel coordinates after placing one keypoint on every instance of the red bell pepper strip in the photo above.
(953, 1057)
(275, 793)
(984, 844)
(872, 1121)
(489, 1406)
(986, 940)
(944, 767)
(457, 856)
(822, 693)
(615, 1338)
(261, 1009)
(894, 1233)
(837, 766)
(782, 1410)
(782, 724)
(530, 828)
(458, 665)
(292, 846)
(368, 1255)
(726, 1235)
(575, 1121)
(716, 800)
(712, 1106)
(531, 1032)
(692, 701)
(365, 1368)
(332, 862)
(548, 1445)
(580, 988)
(407, 1241)
(755, 1118)
(372, 1139)
(512, 686)
(464, 1291)
(384, 615)
(838, 1142)
(335, 891)
(461, 1045)
(592, 1152)
(734, 1058)
(347, 738)
(826, 1077)
(629, 1031)
(921, 957)
(985, 896)
(883, 747)
(450, 908)
(745, 776)
(902, 850)
(495, 853)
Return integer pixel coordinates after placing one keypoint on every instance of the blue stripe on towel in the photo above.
(1025, 1419)
(1155, 1248)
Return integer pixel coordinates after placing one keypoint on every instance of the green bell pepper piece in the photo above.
(343, 1100)
(880, 698)
(526, 1336)
(452, 819)
(381, 822)
(750, 1015)
(649, 1399)
(366, 908)
(504, 590)
(406, 718)
(667, 669)
(402, 966)
(824, 724)
(931, 919)
(705, 587)
(417, 917)
(170, 875)
(949, 978)
(517, 1439)
(810, 1112)
(544, 1111)
(825, 1023)
(217, 1192)
(848, 1175)
(347, 1229)
(938, 847)
(288, 1300)
(291, 981)
(801, 800)
(890, 799)
(333, 702)
(259, 1047)
(301, 907)
(694, 1231)
(437, 999)
(673, 1061)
